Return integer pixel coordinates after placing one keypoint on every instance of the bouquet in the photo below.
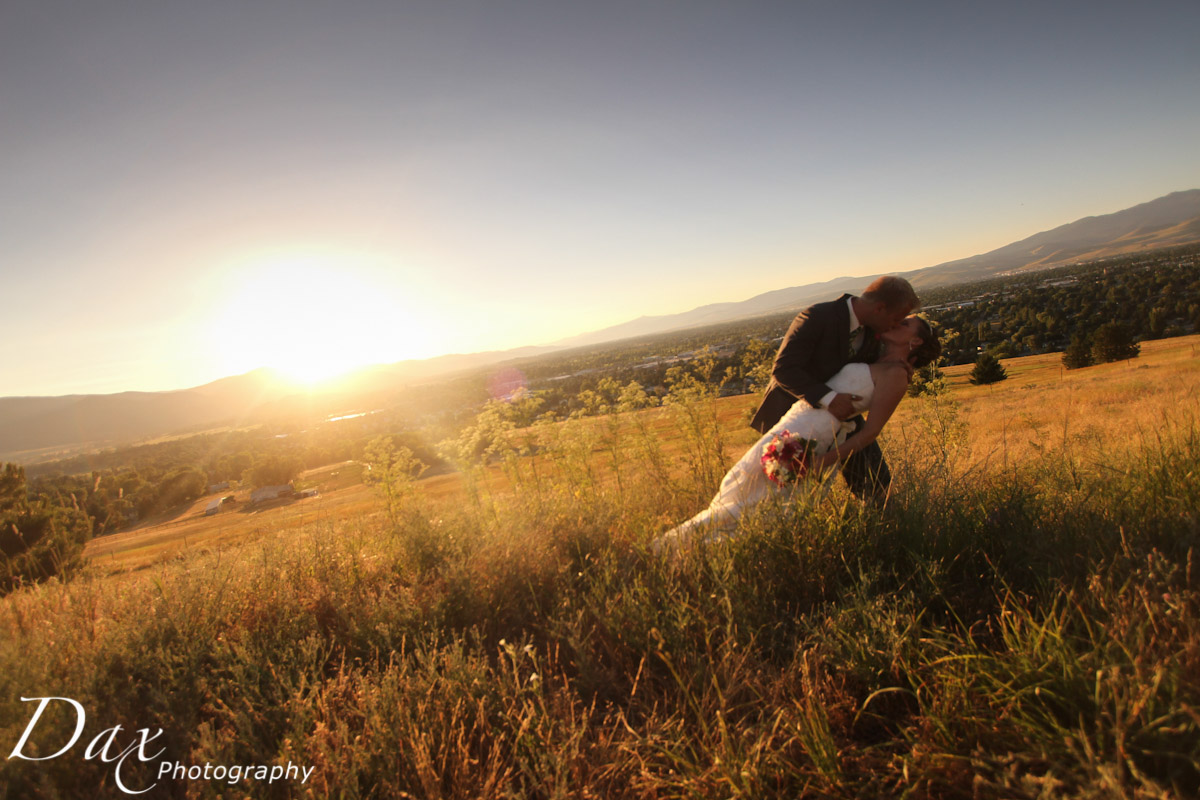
(787, 457)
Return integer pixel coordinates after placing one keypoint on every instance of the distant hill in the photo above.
(1166, 222)
(757, 306)
(35, 427)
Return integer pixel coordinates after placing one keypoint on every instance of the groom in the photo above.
(821, 340)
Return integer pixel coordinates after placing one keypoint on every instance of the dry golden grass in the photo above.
(1023, 635)
(191, 530)
(1040, 405)
(1043, 405)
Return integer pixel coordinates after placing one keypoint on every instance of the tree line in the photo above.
(1096, 311)
(1124, 300)
(119, 486)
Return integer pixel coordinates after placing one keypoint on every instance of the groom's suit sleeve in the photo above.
(807, 333)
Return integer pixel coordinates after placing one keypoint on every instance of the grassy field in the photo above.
(1022, 619)
(1039, 406)
(341, 495)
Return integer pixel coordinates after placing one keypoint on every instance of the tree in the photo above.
(12, 487)
(38, 537)
(928, 381)
(231, 467)
(273, 471)
(987, 370)
(1005, 349)
(180, 485)
(394, 471)
(633, 397)
(487, 436)
(1078, 353)
(1158, 323)
(1113, 341)
(525, 407)
(591, 404)
(757, 361)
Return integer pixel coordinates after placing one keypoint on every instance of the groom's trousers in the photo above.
(866, 472)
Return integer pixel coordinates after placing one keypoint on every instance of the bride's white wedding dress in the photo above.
(746, 484)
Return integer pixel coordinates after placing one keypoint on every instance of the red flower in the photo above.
(785, 458)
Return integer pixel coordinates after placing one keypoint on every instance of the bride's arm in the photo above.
(889, 391)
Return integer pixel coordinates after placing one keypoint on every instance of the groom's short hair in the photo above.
(893, 292)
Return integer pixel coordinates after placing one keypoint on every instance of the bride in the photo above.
(880, 386)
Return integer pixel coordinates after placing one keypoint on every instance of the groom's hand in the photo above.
(842, 405)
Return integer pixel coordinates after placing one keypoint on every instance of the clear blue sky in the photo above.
(194, 189)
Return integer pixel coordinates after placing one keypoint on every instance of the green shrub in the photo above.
(988, 370)
(1113, 341)
(39, 537)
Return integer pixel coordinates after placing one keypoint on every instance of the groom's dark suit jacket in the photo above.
(816, 346)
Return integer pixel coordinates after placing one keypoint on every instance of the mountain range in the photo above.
(1166, 222)
(35, 428)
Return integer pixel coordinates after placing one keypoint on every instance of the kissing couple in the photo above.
(838, 360)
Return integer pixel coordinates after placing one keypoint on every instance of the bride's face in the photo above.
(904, 333)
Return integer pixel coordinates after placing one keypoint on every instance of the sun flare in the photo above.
(314, 320)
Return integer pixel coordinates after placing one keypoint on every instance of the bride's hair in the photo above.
(929, 348)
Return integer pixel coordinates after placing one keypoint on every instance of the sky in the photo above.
(193, 190)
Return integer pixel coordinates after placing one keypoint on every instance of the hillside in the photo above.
(1008, 420)
(1021, 620)
(1166, 222)
(1169, 221)
(38, 428)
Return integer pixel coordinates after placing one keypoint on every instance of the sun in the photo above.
(314, 319)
